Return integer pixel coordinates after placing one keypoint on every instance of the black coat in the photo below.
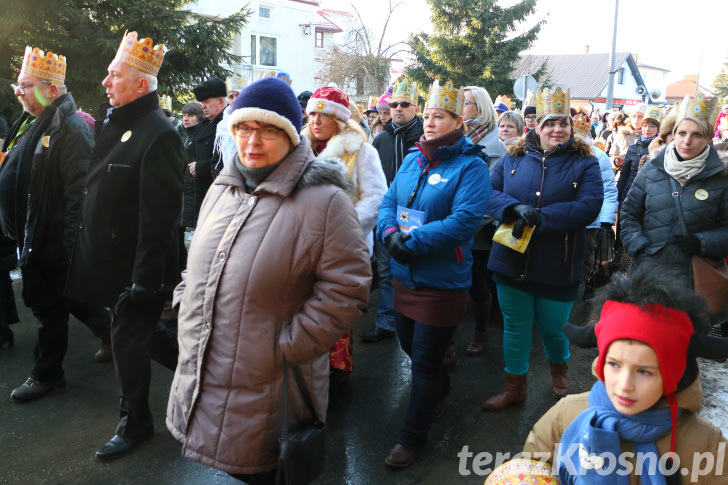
(193, 193)
(631, 166)
(385, 145)
(127, 231)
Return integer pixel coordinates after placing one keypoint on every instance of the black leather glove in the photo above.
(529, 214)
(395, 245)
(518, 228)
(689, 244)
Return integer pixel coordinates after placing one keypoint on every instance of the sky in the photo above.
(685, 37)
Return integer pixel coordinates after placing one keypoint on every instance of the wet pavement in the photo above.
(52, 440)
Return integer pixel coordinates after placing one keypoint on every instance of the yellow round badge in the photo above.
(126, 136)
(434, 179)
(46, 141)
(701, 194)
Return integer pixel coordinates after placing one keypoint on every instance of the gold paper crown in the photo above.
(165, 102)
(446, 97)
(582, 123)
(530, 99)
(406, 89)
(372, 103)
(49, 67)
(142, 54)
(553, 103)
(654, 112)
(699, 108)
(503, 99)
(235, 83)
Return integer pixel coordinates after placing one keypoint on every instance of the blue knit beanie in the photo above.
(270, 101)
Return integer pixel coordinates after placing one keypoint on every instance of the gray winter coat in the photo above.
(650, 222)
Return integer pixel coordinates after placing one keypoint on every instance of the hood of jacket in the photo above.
(531, 142)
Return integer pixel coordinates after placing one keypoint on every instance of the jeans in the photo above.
(385, 312)
(521, 310)
(426, 347)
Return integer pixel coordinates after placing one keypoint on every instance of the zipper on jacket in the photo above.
(538, 204)
(566, 248)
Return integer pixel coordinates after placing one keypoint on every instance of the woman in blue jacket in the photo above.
(427, 221)
(549, 180)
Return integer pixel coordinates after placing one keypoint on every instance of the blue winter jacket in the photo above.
(453, 194)
(608, 213)
(566, 186)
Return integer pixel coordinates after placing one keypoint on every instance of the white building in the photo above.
(280, 36)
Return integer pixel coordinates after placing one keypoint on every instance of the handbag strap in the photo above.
(303, 388)
(678, 206)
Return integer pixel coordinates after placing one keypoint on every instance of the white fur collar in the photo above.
(347, 142)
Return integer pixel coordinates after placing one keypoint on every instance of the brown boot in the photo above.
(515, 392)
(451, 356)
(481, 312)
(559, 381)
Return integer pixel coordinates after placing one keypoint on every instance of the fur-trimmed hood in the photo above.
(348, 141)
(326, 171)
(532, 142)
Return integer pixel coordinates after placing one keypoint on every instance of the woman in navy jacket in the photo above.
(550, 180)
(427, 220)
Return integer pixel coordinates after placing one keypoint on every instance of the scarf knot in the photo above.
(684, 170)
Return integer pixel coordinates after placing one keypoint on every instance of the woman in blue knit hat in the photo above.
(277, 271)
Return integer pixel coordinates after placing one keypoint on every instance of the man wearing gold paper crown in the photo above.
(41, 178)
(398, 136)
(126, 249)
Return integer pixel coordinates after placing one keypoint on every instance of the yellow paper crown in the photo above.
(553, 103)
(446, 97)
(522, 471)
(582, 123)
(530, 99)
(49, 67)
(372, 103)
(503, 99)
(235, 83)
(699, 108)
(165, 102)
(654, 112)
(142, 54)
(406, 89)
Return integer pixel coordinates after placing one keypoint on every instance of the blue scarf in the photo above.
(643, 139)
(597, 430)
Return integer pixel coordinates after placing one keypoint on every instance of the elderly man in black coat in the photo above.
(44, 162)
(126, 247)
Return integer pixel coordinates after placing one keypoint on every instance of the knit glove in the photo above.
(395, 245)
(689, 244)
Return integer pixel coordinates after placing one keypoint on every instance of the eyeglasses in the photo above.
(264, 132)
(530, 117)
(23, 87)
(404, 104)
(467, 102)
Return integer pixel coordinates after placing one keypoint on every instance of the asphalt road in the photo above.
(53, 440)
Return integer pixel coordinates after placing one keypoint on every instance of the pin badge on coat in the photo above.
(701, 194)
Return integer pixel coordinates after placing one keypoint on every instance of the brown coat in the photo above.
(694, 434)
(281, 271)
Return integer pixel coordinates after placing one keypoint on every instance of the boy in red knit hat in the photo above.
(638, 422)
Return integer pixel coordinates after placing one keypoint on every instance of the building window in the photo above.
(263, 50)
(264, 12)
(319, 39)
(620, 76)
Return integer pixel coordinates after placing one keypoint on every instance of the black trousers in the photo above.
(52, 311)
(137, 337)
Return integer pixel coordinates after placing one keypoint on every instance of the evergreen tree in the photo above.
(720, 84)
(474, 44)
(88, 33)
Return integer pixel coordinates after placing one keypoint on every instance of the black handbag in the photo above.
(302, 449)
(605, 263)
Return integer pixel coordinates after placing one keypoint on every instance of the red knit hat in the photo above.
(666, 330)
(330, 101)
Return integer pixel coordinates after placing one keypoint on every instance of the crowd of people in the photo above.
(302, 207)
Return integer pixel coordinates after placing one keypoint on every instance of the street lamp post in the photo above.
(610, 86)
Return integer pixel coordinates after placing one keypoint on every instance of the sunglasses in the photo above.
(404, 104)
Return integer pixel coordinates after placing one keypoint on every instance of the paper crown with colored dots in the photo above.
(141, 54)
(46, 66)
(235, 83)
(553, 103)
(654, 113)
(699, 108)
(406, 89)
(582, 123)
(446, 97)
(165, 102)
